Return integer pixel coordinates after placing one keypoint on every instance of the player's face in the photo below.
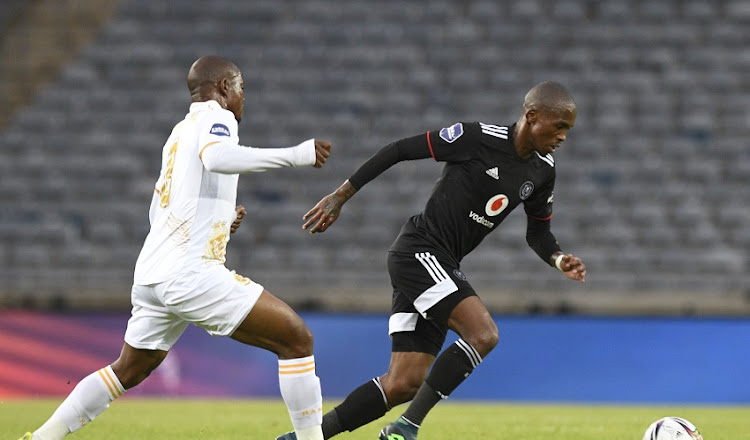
(549, 128)
(236, 97)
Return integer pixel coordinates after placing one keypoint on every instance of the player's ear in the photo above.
(224, 86)
(531, 116)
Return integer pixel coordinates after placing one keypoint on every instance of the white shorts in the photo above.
(216, 299)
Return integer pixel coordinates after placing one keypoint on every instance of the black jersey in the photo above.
(483, 180)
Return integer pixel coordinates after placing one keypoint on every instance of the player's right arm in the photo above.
(440, 145)
(327, 210)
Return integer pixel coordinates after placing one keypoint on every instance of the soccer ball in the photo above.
(672, 428)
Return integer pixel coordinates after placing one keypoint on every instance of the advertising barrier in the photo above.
(539, 358)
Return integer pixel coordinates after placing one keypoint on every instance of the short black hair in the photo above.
(549, 95)
(210, 69)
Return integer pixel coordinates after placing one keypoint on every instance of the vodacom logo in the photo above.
(495, 205)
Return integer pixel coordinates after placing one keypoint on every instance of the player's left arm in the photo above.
(220, 151)
(571, 266)
(230, 158)
(540, 238)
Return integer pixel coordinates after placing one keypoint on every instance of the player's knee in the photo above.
(485, 340)
(133, 378)
(132, 370)
(401, 389)
(132, 375)
(301, 342)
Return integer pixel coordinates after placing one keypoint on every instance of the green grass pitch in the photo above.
(195, 419)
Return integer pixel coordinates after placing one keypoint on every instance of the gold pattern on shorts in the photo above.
(240, 279)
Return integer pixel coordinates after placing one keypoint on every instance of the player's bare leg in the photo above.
(405, 375)
(479, 335)
(274, 326)
(134, 364)
(471, 320)
(371, 400)
(92, 395)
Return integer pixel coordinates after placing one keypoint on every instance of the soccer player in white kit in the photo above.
(180, 277)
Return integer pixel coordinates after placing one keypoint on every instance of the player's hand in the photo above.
(322, 151)
(241, 213)
(322, 215)
(573, 268)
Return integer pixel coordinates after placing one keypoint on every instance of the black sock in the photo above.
(422, 403)
(361, 406)
(331, 424)
(451, 368)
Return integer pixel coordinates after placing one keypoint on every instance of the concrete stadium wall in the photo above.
(555, 359)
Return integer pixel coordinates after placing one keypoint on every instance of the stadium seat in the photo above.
(654, 171)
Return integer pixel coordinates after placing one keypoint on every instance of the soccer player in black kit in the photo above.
(489, 170)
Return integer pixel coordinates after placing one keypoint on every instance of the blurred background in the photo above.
(652, 187)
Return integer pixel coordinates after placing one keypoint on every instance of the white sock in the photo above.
(300, 389)
(88, 399)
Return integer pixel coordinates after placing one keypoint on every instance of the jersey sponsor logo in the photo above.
(526, 189)
(450, 134)
(492, 172)
(496, 204)
(494, 130)
(481, 220)
(220, 130)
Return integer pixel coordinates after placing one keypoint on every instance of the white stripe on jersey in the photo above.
(494, 130)
(547, 158)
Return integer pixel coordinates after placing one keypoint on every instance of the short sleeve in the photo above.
(539, 204)
(217, 127)
(455, 143)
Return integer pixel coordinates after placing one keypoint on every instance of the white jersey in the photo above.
(194, 200)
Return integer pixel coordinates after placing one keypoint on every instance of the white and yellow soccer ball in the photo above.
(672, 428)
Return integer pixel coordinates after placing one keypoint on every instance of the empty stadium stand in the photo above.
(652, 188)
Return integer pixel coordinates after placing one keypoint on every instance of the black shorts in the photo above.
(425, 292)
